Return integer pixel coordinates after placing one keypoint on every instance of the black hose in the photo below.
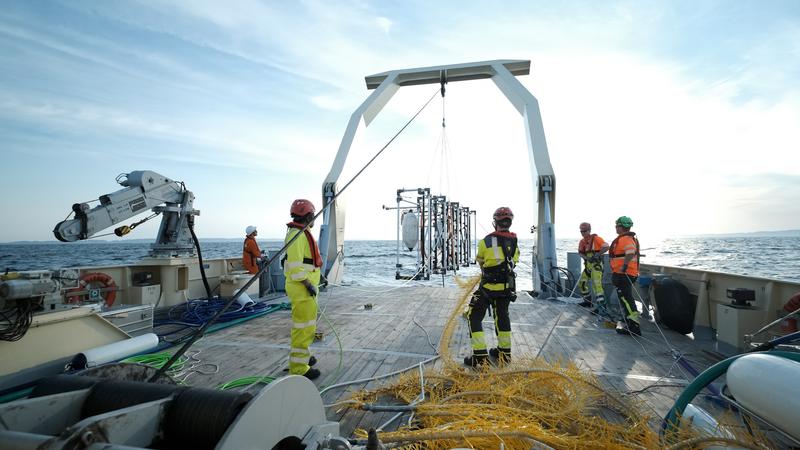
(190, 222)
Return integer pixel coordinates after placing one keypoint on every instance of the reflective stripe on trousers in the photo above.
(502, 324)
(304, 325)
(594, 272)
(624, 285)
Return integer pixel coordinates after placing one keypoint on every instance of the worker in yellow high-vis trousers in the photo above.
(497, 255)
(301, 266)
(591, 248)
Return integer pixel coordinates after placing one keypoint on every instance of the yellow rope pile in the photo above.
(521, 406)
(528, 404)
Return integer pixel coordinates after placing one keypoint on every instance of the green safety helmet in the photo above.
(625, 221)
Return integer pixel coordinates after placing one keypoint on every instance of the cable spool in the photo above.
(198, 418)
(112, 395)
(62, 383)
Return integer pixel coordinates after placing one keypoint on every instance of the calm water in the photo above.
(373, 262)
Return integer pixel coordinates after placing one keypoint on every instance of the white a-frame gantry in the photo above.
(503, 73)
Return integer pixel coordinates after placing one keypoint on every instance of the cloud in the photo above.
(330, 102)
(384, 24)
(664, 94)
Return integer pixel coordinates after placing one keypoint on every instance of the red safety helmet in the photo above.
(503, 213)
(301, 207)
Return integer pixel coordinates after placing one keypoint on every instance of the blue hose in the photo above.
(777, 341)
(195, 313)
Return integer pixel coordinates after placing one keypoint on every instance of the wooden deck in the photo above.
(386, 338)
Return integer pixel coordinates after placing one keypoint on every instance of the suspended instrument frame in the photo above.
(445, 233)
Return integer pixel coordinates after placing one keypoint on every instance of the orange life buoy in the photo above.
(790, 325)
(94, 277)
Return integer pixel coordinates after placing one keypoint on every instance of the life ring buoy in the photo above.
(108, 285)
(790, 325)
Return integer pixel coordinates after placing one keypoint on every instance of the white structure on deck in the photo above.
(385, 85)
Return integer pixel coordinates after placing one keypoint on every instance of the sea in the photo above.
(372, 263)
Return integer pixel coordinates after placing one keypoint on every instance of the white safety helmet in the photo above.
(250, 230)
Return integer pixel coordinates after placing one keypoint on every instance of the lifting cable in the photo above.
(442, 145)
(201, 331)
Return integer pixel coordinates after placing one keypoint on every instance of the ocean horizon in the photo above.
(372, 262)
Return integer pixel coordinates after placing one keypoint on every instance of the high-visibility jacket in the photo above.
(300, 263)
(590, 244)
(250, 254)
(493, 252)
(625, 244)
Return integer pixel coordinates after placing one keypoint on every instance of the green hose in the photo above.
(157, 360)
(16, 395)
(703, 380)
(246, 381)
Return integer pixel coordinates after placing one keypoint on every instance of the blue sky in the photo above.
(682, 115)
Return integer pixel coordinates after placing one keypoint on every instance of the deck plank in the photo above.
(385, 338)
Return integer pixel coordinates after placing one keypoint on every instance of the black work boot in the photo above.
(312, 374)
(501, 357)
(475, 361)
(587, 301)
(628, 327)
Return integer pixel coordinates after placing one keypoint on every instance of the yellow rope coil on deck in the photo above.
(528, 404)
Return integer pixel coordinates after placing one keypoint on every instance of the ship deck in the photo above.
(403, 327)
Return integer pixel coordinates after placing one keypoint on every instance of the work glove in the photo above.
(513, 297)
(624, 268)
(312, 291)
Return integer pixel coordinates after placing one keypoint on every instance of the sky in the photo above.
(683, 115)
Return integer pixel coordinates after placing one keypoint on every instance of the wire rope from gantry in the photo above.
(440, 157)
(384, 85)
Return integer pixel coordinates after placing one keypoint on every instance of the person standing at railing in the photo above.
(591, 249)
(624, 255)
(251, 254)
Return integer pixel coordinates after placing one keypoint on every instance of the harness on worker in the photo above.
(595, 261)
(502, 273)
(612, 251)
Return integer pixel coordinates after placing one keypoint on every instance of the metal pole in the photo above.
(397, 254)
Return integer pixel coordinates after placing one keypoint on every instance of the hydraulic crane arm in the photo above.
(143, 190)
